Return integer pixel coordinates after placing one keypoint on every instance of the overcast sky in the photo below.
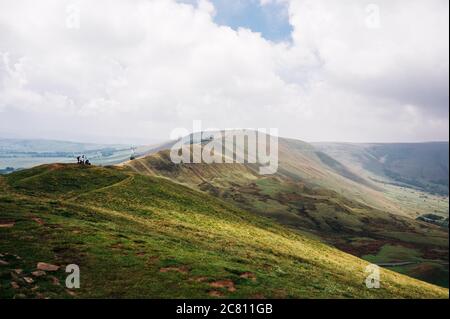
(132, 71)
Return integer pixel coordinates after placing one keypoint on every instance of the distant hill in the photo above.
(424, 166)
(26, 153)
(137, 236)
(49, 146)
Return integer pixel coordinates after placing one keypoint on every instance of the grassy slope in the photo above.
(140, 236)
(297, 197)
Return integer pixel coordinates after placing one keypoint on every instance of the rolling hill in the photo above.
(315, 193)
(148, 237)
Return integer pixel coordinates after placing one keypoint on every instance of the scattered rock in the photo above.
(38, 220)
(14, 285)
(199, 279)
(117, 246)
(70, 292)
(38, 273)
(7, 224)
(3, 263)
(248, 275)
(228, 284)
(47, 267)
(215, 293)
(35, 288)
(20, 296)
(18, 271)
(28, 280)
(182, 269)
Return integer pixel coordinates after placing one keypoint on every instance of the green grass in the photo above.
(390, 253)
(136, 236)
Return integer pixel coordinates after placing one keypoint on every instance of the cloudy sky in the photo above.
(132, 71)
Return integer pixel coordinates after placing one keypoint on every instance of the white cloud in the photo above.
(144, 67)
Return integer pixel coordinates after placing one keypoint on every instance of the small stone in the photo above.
(28, 280)
(215, 293)
(70, 292)
(18, 271)
(15, 285)
(3, 263)
(35, 288)
(20, 296)
(38, 273)
(47, 267)
(7, 224)
(248, 275)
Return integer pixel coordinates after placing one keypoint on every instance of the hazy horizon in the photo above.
(142, 141)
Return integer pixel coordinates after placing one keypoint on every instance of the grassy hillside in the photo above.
(314, 193)
(143, 236)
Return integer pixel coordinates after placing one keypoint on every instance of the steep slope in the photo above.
(414, 176)
(424, 166)
(142, 236)
(313, 192)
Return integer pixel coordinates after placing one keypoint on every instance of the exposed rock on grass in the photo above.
(47, 267)
(228, 284)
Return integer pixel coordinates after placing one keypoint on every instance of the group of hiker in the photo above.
(83, 160)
